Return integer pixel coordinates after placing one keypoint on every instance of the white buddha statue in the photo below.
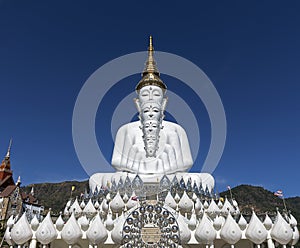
(151, 147)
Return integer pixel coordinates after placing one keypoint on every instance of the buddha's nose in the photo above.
(150, 96)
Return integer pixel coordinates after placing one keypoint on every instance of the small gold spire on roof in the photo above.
(8, 149)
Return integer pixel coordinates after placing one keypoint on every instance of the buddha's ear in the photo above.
(164, 103)
(137, 104)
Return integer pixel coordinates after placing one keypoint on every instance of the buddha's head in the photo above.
(151, 103)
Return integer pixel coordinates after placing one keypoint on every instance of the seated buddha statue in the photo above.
(151, 145)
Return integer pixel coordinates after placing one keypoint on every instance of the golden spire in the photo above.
(150, 63)
(150, 75)
(150, 44)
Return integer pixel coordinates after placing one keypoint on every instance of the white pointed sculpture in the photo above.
(117, 232)
(170, 202)
(109, 223)
(256, 231)
(218, 222)
(213, 209)
(10, 221)
(75, 208)
(268, 222)
(34, 223)
(7, 236)
(59, 224)
(185, 204)
(205, 232)
(89, 209)
(46, 232)
(71, 231)
(21, 231)
(281, 231)
(117, 204)
(185, 234)
(230, 231)
(83, 223)
(96, 233)
(242, 223)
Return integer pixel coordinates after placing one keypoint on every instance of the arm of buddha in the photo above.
(174, 150)
(185, 148)
(123, 144)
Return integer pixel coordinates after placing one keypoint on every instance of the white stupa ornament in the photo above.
(185, 204)
(230, 231)
(192, 222)
(46, 232)
(293, 221)
(117, 232)
(242, 223)
(59, 224)
(104, 205)
(205, 232)
(21, 231)
(83, 222)
(256, 231)
(7, 237)
(96, 233)
(34, 223)
(10, 221)
(227, 206)
(71, 231)
(281, 231)
(132, 202)
(89, 209)
(109, 223)
(117, 204)
(213, 209)
(82, 204)
(295, 237)
(170, 202)
(185, 234)
(218, 222)
(268, 222)
(198, 206)
(75, 208)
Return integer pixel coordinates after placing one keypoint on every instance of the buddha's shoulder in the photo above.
(135, 126)
(131, 126)
(167, 125)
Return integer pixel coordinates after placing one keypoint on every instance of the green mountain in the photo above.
(56, 195)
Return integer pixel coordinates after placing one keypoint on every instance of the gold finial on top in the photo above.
(150, 63)
(150, 75)
(150, 48)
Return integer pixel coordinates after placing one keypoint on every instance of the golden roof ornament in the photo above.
(150, 75)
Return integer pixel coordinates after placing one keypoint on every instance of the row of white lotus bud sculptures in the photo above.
(178, 214)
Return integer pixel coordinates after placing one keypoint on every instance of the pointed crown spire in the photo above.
(151, 75)
(8, 149)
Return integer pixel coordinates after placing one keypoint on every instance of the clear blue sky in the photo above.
(249, 49)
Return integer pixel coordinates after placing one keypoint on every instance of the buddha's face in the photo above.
(151, 104)
(151, 111)
(150, 127)
(151, 93)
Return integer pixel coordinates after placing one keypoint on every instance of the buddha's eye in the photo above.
(156, 93)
